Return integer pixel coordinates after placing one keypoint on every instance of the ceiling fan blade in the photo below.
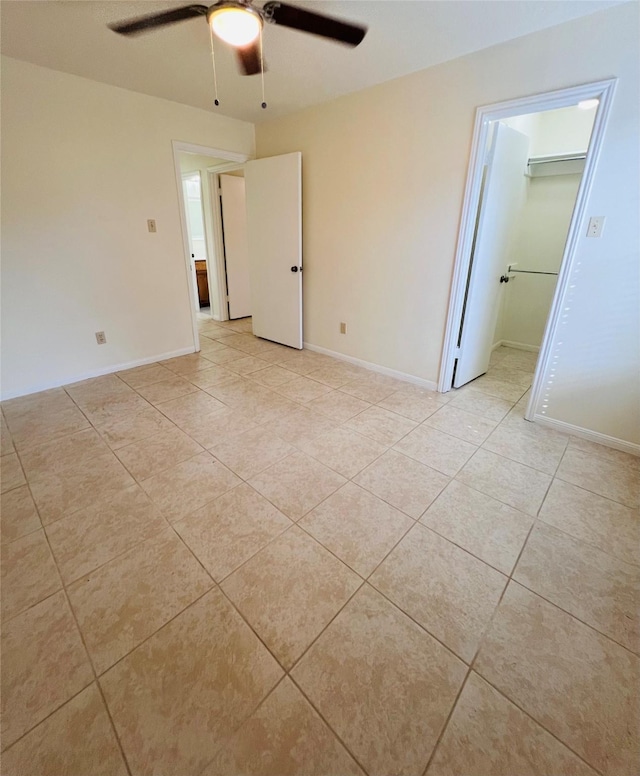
(151, 21)
(249, 58)
(315, 23)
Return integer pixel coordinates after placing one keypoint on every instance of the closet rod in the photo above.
(530, 272)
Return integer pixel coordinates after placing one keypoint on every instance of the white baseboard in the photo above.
(585, 433)
(47, 385)
(383, 370)
(520, 346)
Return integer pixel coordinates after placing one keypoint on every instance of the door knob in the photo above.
(294, 269)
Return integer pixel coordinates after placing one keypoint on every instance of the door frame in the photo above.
(561, 98)
(196, 290)
(218, 231)
(233, 158)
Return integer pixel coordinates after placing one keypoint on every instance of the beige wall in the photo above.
(84, 165)
(384, 172)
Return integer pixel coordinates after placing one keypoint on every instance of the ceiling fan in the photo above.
(239, 23)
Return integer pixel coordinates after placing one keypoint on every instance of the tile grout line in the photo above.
(89, 659)
(535, 519)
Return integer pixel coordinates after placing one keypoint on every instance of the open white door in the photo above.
(274, 229)
(503, 193)
(234, 220)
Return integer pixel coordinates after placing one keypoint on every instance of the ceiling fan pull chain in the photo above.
(264, 104)
(216, 102)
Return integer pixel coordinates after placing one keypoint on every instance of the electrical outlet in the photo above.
(151, 224)
(596, 226)
(343, 328)
(101, 338)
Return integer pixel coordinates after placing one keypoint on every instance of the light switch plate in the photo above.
(151, 225)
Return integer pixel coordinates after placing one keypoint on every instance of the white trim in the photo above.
(179, 147)
(562, 98)
(521, 346)
(107, 370)
(192, 148)
(218, 237)
(383, 370)
(585, 433)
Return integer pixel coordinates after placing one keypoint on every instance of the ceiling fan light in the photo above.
(236, 26)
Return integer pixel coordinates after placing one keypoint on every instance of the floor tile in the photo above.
(461, 424)
(62, 453)
(212, 429)
(37, 426)
(489, 736)
(128, 599)
(290, 591)
(102, 411)
(303, 362)
(168, 389)
(372, 387)
(579, 685)
(402, 482)
(481, 404)
(449, 592)
(119, 432)
(600, 590)
(302, 389)
(43, 665)
(75, 740)
(343, 451)
(610, 526)
(11, 474)
(189, 408)
(440, 451)
(185, 365)
(602, 451)
(381, 425)
(58, 494)
(605, 477)
(95, 535)
(47, 402)
(284, 737)
(18, 514)
(145, 375)
(157, 453)
(382, 683)
(251, 451)
(488, 529)
(6, 443)
(300, 426)
(189, 485)
(273, 376)
(216, 375)
(29, 573)
(247, 365)
(529, 444)
(178, 698)
(357, 526)
(502, 389)
(228, 531)
(337, 374)
(413, 402)
(296, 484)
(512, 483)
(338, 406)
(226, 355)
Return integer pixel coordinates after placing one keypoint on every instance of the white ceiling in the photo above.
(175, 63)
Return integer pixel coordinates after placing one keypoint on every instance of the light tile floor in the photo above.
(267, 562)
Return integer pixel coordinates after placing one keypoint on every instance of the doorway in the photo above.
(531, 168)
(192, 190)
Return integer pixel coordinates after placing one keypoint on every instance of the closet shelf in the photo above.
(556, 164)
